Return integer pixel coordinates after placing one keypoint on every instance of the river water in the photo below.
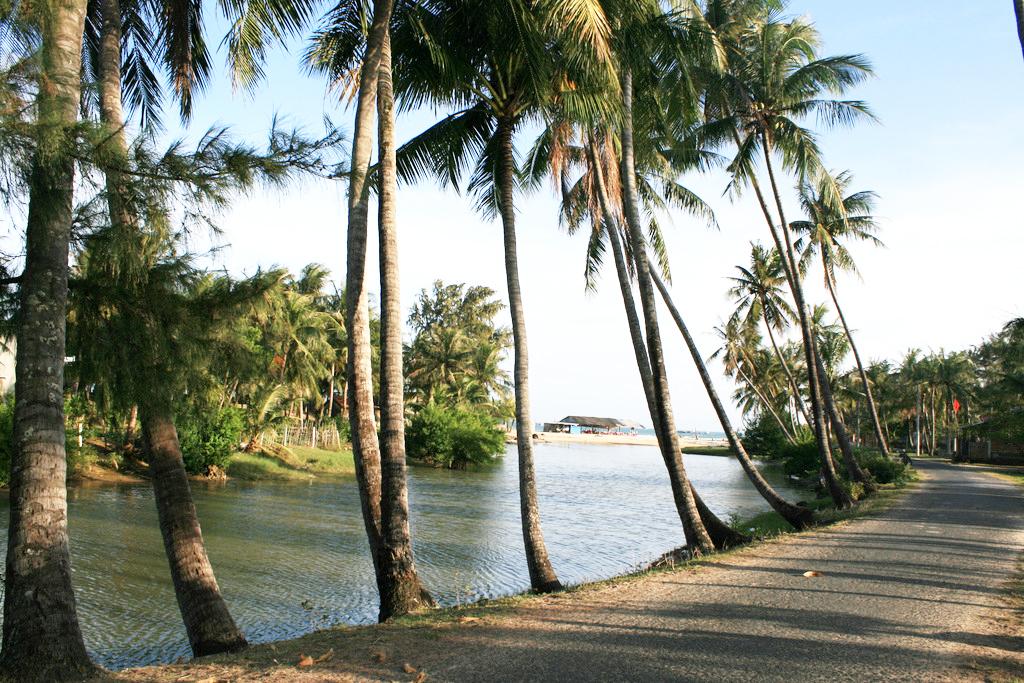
(291, 558)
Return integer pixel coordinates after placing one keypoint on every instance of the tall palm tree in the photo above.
(42, 639)
(773, 79)
(825, 234)
(758, 294)
(465, 54)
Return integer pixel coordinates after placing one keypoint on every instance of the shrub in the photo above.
(209, 438)
(800, 459)
(884, 470)
(763, 437)
(453, 437)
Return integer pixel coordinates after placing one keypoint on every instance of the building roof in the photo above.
(599, 422)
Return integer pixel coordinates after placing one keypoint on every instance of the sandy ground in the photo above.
(918, 592)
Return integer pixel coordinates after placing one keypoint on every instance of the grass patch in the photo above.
(308, 463)
(321, 461)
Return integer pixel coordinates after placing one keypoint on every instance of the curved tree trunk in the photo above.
(722, 535)
(872, 409)
(209, 624)
(42, 640)
(797, 398)
(542, 575)
(359, 369)
(397, 581)
(1018, 9)
(697, 537)
(785, 246)
(799, 517)
(220, 634)
(853, 468)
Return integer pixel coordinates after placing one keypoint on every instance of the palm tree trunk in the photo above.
(42, 639)
(359, 368)
(767, 404)
(869, 398)
(853, 468)
(397, 581)
(786, 253)
(697, 537)
(797, 398)
(209, 625)
(722, 535)
(542, 575)
(1018, 8)
(132, 426)
(330, 393)
(799, 517)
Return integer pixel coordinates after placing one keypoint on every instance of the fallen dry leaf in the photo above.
(812, 575)
(420, 678)
(379, 656)
(409, 668)
(304, 660)
(324, 657)
(468, 620)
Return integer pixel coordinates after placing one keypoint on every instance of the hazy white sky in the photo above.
(945, 160)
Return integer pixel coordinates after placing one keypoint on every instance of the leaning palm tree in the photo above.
(1018, 9)
(825, 234)
(42, 639)
(493, 64)
(772, 80)
(757, 291)
(364, 59)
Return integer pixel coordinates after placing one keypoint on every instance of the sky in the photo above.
(944, 159)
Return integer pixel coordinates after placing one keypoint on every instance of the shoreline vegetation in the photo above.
(285, 657)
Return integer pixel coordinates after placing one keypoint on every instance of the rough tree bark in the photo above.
(209, 625)
(697, 537)
(542, 575)
(401, 591)
(42, 640)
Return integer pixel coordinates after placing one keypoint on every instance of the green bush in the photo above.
(209, 438)
(453, 437)
(884, 470)
(800, 459)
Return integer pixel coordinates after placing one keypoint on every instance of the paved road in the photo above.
(908, 595)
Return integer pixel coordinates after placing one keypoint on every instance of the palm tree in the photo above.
(773, 79)
(491, 62)
(825, 234)
(758, 294)
(42, 639)
(739, 345)
(797, 515)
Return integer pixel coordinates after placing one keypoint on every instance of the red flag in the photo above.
(956, 406)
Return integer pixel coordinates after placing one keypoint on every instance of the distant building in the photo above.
(583, 424)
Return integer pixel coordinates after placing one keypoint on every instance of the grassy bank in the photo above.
(298, 464)
(720, 451)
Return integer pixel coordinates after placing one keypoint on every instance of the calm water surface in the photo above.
(276, 546)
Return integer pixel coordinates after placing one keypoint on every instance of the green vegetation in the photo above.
(721, 451)
(453, 437)
(302, 463)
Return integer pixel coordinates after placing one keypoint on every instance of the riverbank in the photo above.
(652, 625)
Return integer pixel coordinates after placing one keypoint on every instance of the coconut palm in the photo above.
(42, 640)
(825, 234)
(772, 80)
(757, 291)
(494, 64)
